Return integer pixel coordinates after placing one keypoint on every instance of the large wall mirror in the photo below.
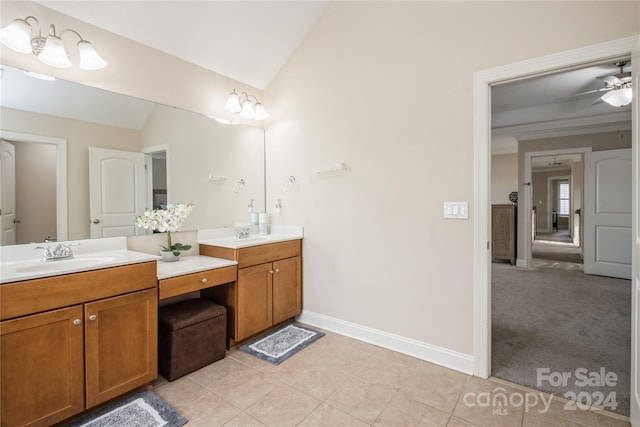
(48, 128)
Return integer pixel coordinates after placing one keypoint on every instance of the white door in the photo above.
(117, 192)
(607, 213)
(8, 193)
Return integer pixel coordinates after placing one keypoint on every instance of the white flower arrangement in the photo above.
(167, 220)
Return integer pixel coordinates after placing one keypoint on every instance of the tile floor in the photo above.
(339, 381)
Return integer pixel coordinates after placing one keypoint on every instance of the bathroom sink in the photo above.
(63, 265)
(233, 242)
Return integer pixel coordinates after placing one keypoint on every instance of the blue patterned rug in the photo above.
(143, 409)
(281, 344)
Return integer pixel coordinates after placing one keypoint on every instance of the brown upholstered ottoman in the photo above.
(191, 334)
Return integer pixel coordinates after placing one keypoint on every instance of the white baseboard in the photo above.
(431, 353)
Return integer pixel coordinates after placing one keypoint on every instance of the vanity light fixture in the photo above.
(50, 50)
(247, 109)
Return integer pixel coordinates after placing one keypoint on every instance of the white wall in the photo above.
(504, 177)
(386, 87)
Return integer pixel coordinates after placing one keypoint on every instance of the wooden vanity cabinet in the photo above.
(42, 368)
(57, 363)
(268, 290)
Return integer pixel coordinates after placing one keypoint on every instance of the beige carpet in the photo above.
(554, 316)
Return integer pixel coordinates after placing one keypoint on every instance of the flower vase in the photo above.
(169, 256)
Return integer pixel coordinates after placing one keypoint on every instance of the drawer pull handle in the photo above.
(77, 322)
(93, 317)
(204, 280)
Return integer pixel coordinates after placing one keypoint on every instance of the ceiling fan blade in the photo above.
(604, 89)
(597, 101)
(610, 80)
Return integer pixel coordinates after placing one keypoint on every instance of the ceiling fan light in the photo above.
(17, 36)
(54, 53)
(247, 112)
(89, 58)
(261, 113)
(233, 103)
(618, 97)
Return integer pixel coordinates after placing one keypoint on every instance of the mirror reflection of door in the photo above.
(7, 194)
(29, 211)
(117, 191)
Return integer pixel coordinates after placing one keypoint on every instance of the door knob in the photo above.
(96, 221)
(16, 221)
(204, 281)
(93, 317)
(77, 322)
(277, 270)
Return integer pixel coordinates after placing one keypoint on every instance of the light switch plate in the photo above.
(456, 210)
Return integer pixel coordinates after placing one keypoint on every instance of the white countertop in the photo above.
(226, 237)
(24, 262)
(191, 264)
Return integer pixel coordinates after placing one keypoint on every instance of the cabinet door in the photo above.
(121, 344)
(254, 300)
(287, 289)
(42, 378)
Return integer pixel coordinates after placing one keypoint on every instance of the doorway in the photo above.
(482, 119)
(41, 158)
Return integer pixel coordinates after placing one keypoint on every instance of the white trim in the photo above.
(431, 353)
(482, 164)
(635, 289)
(62, 222)
(567, 127)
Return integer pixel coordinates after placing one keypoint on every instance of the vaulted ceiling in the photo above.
(250, 41)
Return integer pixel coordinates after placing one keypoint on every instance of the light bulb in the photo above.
(618, 97)
(261, 113)
(17, 36)
(54, 53)
(89, 58)
(247, 110)
(233, 103)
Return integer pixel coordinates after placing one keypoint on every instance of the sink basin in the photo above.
(63, 265)
(232, 242)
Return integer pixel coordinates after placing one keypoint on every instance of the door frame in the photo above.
(524, 259)
(62, 223)
(482, 82)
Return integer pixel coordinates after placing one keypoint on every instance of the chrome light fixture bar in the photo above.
(247, 109)
(49, 50)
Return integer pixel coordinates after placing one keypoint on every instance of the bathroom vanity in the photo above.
(79, 332)
(72, 341)
(269, 286)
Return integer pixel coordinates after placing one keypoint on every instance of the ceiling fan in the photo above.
(617, 88)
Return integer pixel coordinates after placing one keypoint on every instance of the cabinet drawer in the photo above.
(255, 255)
(37, 295)
(193, 282)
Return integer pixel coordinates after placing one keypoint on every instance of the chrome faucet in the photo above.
(57, 252)
(243, 232)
